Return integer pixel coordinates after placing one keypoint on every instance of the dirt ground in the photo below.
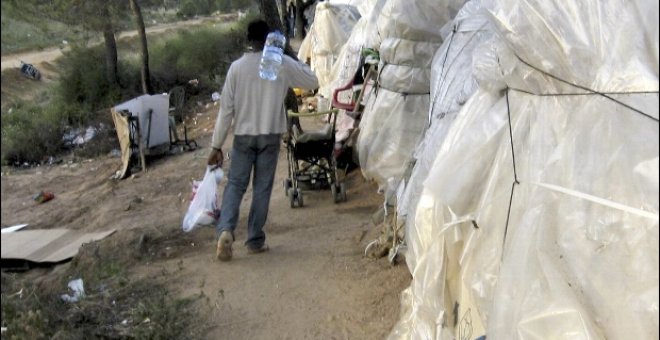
(314, 283)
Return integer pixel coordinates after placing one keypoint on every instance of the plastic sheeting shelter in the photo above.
(348, 59)
(538, 218)
(531, 211)
(452, 84)
(329, 32)
(395, 117)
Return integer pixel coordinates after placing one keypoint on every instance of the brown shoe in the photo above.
(263, 248)
(223, 250)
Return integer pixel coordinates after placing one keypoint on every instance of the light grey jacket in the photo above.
(255, 105)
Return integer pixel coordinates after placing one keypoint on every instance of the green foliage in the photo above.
(30, 24)
(84, 87)
(30, 132)
(82, 97)
(21, 31)
(91, 14)
(83, 79)
(191, 8)
(203, 54)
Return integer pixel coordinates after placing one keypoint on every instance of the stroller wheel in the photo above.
(287, 186)
(342, 192)
(299, 197)
(292, 197)
(335, 195)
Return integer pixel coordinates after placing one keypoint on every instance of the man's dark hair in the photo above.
(258, 31)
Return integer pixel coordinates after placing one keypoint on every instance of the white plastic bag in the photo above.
(203, 209)
(76, 286)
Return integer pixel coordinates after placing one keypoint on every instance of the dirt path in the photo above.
(314, 283)
(17, 87)
(49, 55)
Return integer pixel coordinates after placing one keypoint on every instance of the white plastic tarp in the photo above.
(347, 64)
(393, 124)
(563, 245)
(329, 32)
(371, 34)
(389, 129)
(349, 57)
(416, 20)
(452, 83)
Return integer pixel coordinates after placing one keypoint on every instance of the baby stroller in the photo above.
(312, 163)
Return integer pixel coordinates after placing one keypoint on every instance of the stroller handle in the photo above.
(311, 114)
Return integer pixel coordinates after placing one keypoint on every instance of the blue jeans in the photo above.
(256, 156)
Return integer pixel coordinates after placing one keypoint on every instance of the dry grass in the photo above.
(116, 305)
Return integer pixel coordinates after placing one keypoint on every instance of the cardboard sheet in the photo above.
(46, 245)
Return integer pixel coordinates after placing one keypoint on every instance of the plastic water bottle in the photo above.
(271, 59)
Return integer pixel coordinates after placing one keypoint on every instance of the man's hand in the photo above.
(215, 158)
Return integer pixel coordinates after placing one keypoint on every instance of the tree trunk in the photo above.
(300, 24)
(110, 49)
(270, 13)
(146, 75)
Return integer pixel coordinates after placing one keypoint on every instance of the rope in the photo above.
(515, 175)
(553, 187)
(603, 94)
(513, 154)
(405, 94)
(577, 94)
(472, 36)
(508, 216)
(442, 71)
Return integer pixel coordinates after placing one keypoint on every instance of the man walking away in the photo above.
(256, 108)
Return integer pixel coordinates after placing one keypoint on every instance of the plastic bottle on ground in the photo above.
(271, 59)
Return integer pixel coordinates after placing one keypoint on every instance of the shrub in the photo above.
(83, 79)
(83, 95)
(22, 31)
(203, 54)
(190, 8)
(30, 133)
